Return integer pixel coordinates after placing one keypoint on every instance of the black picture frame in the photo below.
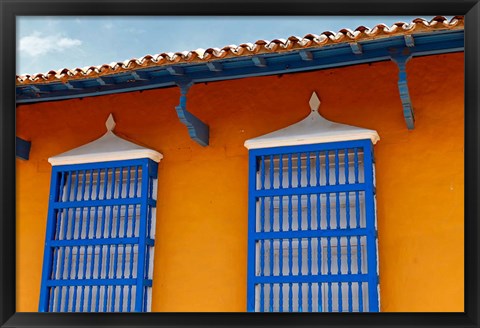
(12, 8)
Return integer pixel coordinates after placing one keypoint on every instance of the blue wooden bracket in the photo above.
(22, 148)
(401, 58)
(197, 130)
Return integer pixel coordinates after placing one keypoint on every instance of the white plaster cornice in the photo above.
(109, 147)
(312, 130)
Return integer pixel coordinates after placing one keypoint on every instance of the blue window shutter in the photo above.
(312, 244)
(99, 238)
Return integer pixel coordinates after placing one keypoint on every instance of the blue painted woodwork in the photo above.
(214, 66)
(356, 48)
(175, 70)
(70, 86)
(136, 76)
(371, 224)
(197, 130)
(305, 55)
(101, 81)
(22, 148)
(259, 61)
(317, 251)
(409, 41)
(99, 237)
(239, 67)
(401, 58)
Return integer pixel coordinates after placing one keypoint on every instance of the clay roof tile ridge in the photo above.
(259, 46)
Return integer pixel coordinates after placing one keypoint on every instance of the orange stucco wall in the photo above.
(201, 237)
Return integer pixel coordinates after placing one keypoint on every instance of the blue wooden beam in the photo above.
(401, 57)
(175, 70)
(235, 68)
(70, 86)
(137, 77)
(305, 55)
(215, 66)
(197, 130)
(409, 40)
(100, 81)
(356, 48)
(259, 61)
(22, 148)
(36, 89)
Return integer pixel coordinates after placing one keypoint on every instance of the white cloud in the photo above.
(36, 44)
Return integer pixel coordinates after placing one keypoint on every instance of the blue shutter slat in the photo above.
(67, 288)
(262, 173)
(350, 297)
(371, 236)
(280, 171)
(346, 166)
(309, 190)
(75, 188)
(337, 169)
(280, 297)
(59, 300)
(105, 297)
(271, 214)
(355, 161)
(309, 297)
(262, 297)
(300, 298)
(85, 259)
(252, 224)
(299, 214)
(129, 303)
(280, 213)
(290, 177)
(327, 168)
(329, 296)
(262, 214)
(318, 251)
(360, 297)
(319, 298)
(299, 170)
(290, 297)
(127, 196)
(271, 169)
(339, 256)
(340, 298)
(77, 267)
(142, 244)
(271, 298)
(48, 254)
(271, 261)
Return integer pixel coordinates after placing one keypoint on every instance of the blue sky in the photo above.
(53, 43)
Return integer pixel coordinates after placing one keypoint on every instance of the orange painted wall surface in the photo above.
(201, 237)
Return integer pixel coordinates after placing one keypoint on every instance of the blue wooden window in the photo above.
(312, 243)
(100, 236)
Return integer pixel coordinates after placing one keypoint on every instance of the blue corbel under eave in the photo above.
(401, 57)
(22, 148)
(197, 130)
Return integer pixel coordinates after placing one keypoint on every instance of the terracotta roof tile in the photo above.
(361, 33)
